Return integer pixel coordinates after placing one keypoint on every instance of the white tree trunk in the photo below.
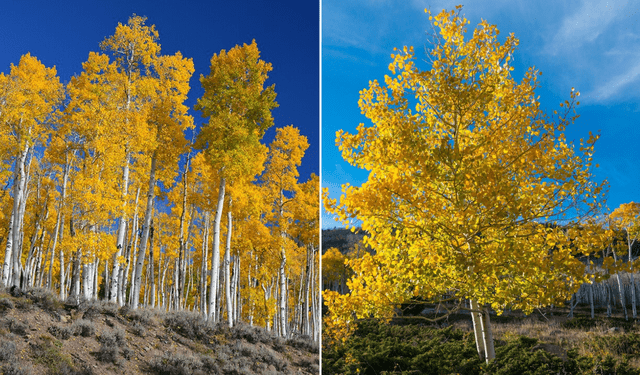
(59, 230)
(6, 268)
(131, 249)
(145, 234)
(115, 278)
(19, 185)
(476, 318)
(227, 267)
(204, 267)
(215, 253)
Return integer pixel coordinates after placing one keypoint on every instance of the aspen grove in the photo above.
(103, 196)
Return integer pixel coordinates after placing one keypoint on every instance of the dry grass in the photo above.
(598, 337)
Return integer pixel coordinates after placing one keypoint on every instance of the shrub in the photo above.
(269, 357)
(376, 347)
(66, 369)
(44, 298)
(209, 365)
(17, 368)
(522, 355)
(84, 328)
(251, 334)
(60, 332)
(107, 354)
(278, 344)
(15, 326)
(16, 292)
(138, 329)
(93, 308)
(189, 324)
(176, 364)
(303, 343)
(114, 337)
(246, 350)
(46, 351)
(127, 353)
(5, 304)
(74, 301)
(23, 304)
(111, 341)
(144, 316)
(7, 351)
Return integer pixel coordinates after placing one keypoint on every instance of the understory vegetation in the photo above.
(41, 335)
(536, 344)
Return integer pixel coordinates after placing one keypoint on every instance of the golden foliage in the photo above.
(465, 169)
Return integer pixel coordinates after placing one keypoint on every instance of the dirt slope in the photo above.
(41, 335)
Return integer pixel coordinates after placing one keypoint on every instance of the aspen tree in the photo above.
(281, 181)
(627, 218)
(464, 169)
(238, 108)
(29, 94)
(306, 231)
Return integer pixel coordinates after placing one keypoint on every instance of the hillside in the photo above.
(41, 335)
(340, 238)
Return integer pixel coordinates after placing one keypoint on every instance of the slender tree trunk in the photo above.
(204, 267)
(162, 285)
(487, 335)
(6, 267)
(115, 280)
(183, 266)
(477, 329)
(227, 266)
(591, 302)
(19, 185)
(633, 296)
(237, 302)
(621, 290)
(151, 270)
(305, 303)
(34, 250)
(75, 280)
(182, 241)
(145, 233)
(189, 272)
(96, 266)
(609, 298)
(315, 298)
(59, 230)
(131, 249)
(106, 280)
(215, 254)
(42, 261)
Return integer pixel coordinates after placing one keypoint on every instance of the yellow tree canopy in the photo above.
(28, 96)
(238, 107)
(464, 169)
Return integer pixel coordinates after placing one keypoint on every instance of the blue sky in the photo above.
(593, 46)
(62, 33)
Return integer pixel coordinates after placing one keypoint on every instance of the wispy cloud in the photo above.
(584, 25)
(615, 84)
(372, 26)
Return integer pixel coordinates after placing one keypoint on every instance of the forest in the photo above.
(104, 196)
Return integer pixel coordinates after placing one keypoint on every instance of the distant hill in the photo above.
(340, 238)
